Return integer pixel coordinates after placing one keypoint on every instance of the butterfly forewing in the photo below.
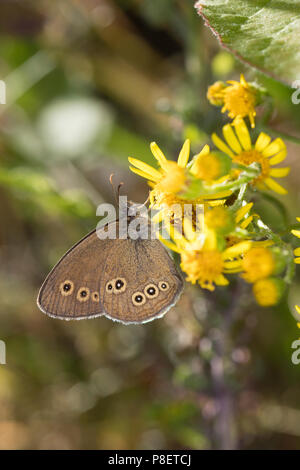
(71, 290)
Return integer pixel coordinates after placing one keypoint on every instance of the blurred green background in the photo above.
(89, 83)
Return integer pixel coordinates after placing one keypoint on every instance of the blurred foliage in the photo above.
(89, 83)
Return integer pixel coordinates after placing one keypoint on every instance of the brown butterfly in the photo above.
(130, 281)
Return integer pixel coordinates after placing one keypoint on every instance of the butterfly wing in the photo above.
(140, 282)
(131, 281)
(71, 290)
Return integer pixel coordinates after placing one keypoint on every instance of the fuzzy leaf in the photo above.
(263, 33)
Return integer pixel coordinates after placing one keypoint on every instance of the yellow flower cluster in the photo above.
(260, 265)
(222, 179)
(208, 258)
(237, 98)
(297, 261)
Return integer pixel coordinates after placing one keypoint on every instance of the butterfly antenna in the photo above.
(119, 188)
(147, 200)
(115, 191)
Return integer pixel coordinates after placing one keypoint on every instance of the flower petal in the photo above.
(279, 172)
(242, 133)
(143, 174)
(221, 145)
(184, 154)
(221, 280)
(243, 80)
(297, 309)
(272, 184)
(274, 147)
(231, 139)
(157, 153)
(297, 260)
(262, 142)
(237, 249)
(297, 251)
(204, 151)
(219, 195)
(232, 264)
(279, 157)
(296, 233)
(232, 270)
(210, 242)
(156, 175)
(246, 222)
(243, 211)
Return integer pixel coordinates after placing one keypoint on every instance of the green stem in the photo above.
(238, 202)
(233, 185)
(291, 268)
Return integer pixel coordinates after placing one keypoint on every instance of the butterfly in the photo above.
(127, 280)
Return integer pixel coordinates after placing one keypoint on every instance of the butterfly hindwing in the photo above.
(140, 282)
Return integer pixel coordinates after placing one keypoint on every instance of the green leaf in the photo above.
(263, 33)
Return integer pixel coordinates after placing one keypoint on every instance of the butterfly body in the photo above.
(131, 281)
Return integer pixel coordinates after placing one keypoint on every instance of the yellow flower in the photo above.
(297, 250)
(210, 166)
(215, 93)
(220, 219)
(240, 100)
(258, 263)
(171, 177)
(174, 178)
(207, 267)
(239, 147)
(202, 261)
(268, 292)
(242, 220)
(298, 311)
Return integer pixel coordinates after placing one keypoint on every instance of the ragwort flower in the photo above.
(203, 261)
(239, 147)
(172, 179)
(268, 292)
(237, 98)
(297, 250)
